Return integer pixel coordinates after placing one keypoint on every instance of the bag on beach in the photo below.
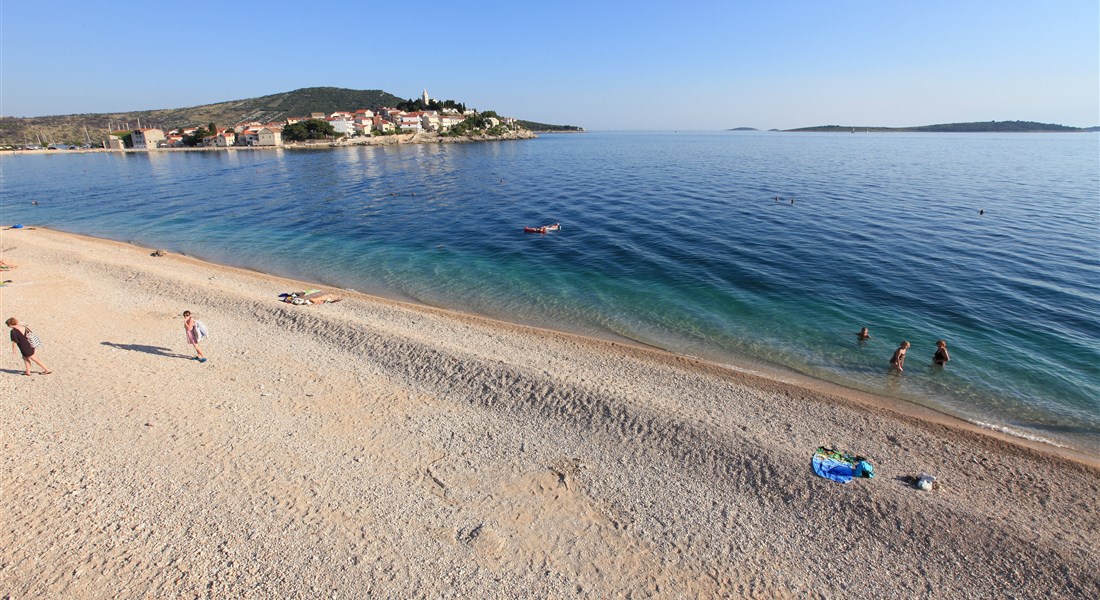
(33, 338)
(199, 331)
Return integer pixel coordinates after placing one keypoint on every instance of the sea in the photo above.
(765, 251)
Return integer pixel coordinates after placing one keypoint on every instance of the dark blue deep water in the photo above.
(676, 241)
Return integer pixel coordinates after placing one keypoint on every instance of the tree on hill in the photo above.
(194, 139)
(126, 136)
(480, 123)
(312, 129)
(996, 126)
(417, 104)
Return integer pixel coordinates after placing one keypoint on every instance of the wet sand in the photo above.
(374, 447)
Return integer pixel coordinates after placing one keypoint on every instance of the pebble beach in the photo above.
(373, 448)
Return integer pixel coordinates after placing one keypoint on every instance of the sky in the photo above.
(639, 65)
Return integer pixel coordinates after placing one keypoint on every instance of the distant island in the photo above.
(975, 127)
(545, 128)
(94, 129)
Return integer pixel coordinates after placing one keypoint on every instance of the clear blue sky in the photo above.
(601, 65)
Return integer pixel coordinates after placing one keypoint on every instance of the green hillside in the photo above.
(70, 129)
(546, 127)
(77, 129)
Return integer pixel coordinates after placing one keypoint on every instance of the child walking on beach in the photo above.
(195, 332)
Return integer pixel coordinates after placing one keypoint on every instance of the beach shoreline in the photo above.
(765, 374)
(502, 457)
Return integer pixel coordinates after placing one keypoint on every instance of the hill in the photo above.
(71, 128)
(975, 127)
(544, 127)
(76, 129)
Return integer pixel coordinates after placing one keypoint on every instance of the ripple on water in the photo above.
(676, 241)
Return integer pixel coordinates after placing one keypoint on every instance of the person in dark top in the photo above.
(941, 356)
(26, 348)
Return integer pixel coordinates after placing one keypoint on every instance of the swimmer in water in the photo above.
(898, 360)
(941, 356)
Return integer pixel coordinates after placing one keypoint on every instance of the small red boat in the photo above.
(543, 229)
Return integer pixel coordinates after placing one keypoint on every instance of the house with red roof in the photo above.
(225, 138)
(410, 122)
(247, 138)
(269, 136)
(380, 124)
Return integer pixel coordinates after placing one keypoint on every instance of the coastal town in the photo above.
(352, 127)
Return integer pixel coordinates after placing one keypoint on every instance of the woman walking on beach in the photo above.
(941, 356)
(898, 360)
(195, 332)
(20, 339)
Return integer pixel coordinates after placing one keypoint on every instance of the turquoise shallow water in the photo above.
(674, 240)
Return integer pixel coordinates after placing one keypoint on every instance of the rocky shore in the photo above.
(428, 137)
(422, 137)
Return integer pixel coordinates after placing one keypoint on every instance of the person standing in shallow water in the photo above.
(193, 335)
(898, 360)
(941, 356)
(26, 348)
